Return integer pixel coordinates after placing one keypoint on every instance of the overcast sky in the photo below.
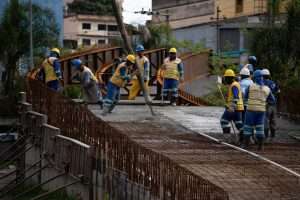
(130, 6)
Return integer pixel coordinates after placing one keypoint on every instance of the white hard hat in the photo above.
(265, 72)
(245, 71)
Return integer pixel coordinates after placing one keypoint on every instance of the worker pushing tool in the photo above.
(50, 72)
(234, 105)
(270, 117)
(119, 79)
(173, 74)
(143, 65)
(257, 96)
(89, 83)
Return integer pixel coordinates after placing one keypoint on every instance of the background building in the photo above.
(220, 24)
(89, 30)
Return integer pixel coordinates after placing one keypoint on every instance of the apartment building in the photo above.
(89, 30)
(196, 20)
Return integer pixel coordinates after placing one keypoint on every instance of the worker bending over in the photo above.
(257, 96)
(173, 74)
(234, 105)
(270, 118)
(142, 64)
(89, 83)
(119, 79)
(50, 72)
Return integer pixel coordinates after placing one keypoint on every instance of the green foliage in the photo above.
(72, 91)
(100, 7)
(14, 37)
(215, 98)
(277, 47)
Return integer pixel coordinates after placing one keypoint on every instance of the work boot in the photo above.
(266, 133)
(100, 104)
(273, 132)
(241, 137)
(260, 142)
(173, 101)
(105, 111)
(246, 142)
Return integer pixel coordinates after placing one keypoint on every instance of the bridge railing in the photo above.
(165, 178)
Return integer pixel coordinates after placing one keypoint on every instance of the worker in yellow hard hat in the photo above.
(50, 71)
(173, 74)
(234, 104)
(120, 78)
(143, 65)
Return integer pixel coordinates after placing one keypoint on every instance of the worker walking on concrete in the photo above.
(143, 65)
(270, 118)
(50, 72)
(173, 74)
(89, 83)
(234, 105)
(257, 96)
(245, 82)
(119, 79)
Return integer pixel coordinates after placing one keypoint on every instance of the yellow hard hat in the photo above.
(131, 58)
(173, 50)
(56, 50)
(229, 73)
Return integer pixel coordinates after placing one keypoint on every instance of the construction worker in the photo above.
(89, 83)
(270, 118)
(257, 96)
(50, 71)
(245, 82)
(234, 105)
(173, 74)
(119, 79)
(143, 65)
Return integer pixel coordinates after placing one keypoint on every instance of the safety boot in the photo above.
(173, 101)
(246, 142)
(260, 142)
(241, 137)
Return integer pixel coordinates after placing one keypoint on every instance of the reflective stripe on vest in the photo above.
(171, 71)
(230, 98)
(140, 63)
(50, 74)
(257, 97)
(116, 79)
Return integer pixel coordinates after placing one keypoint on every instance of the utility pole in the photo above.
(218, 25)
(31, 37)
(123, 31)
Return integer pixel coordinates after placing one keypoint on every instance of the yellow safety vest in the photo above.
(140, 62)
(258, 97)
(240, 105)
(116, 79)
(171, 71)
(50, 74)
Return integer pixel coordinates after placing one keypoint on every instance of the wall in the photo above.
(206, 33)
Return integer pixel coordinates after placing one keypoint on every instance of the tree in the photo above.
(277, 46)
(100, 7)
(14, 36)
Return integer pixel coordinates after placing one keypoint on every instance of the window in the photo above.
(101, 41)
(86, 42)
(101, 27)
(112, 28)
(86, 26)
(239, 6)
